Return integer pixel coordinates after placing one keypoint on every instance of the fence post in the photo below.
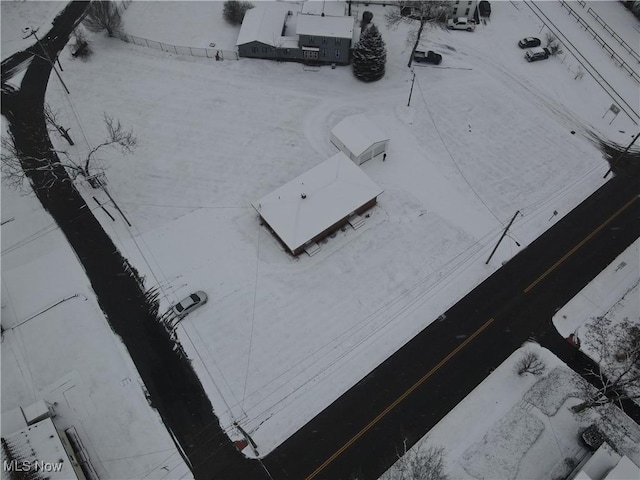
(176, 49)
(145, 41)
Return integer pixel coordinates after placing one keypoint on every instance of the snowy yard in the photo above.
(527, 430)
(281, 337)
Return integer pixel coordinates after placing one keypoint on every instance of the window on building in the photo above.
(337, 53)
(457, 2)
(310, 54)
(338, 40)
(455, 12)
(324, 52)
(466, 12)
(324, 40)
(287, 51)
(469, 3)
(254, 49)
(311, 40)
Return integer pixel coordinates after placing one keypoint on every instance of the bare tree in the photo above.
(530, 362)
(51, 117)
(117, 137)
(419, 13)
(103, 15)
(418, 463)
(14, 167)
(617, 348)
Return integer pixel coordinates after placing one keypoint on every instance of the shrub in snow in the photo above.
(81, 48)
(369, 56)
(103, 15)
(235, 10)
(553, 44)
(418, 463)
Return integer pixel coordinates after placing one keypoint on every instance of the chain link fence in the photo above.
(214, 53)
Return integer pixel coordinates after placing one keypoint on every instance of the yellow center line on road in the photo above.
(382, 414)
(573, 250)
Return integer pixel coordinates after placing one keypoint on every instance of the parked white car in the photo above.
(189, 304)
(461, 23)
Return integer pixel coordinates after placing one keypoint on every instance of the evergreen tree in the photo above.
(369, 56)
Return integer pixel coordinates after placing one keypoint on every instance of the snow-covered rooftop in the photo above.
(318, 7)
(339, 27)
(40, 443)
(332, 190)
(264, 24)
(358, 133)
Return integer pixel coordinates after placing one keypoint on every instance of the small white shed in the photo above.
(359, 138)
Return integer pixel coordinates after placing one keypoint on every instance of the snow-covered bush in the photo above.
(235, 10)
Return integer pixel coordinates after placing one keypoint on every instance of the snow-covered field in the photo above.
(527, 429)
(486, 134)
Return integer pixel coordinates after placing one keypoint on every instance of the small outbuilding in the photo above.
(359, 138)
(318, 202)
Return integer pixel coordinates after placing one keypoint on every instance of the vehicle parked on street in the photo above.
(529, 42)
(430, 57)
(537, 53)
(189, 304)
(461, 23)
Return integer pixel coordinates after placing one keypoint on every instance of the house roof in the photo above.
(264, 24)
(334, 189)
(358, 133)
(330, 7)
(40, 442)
(327, 26)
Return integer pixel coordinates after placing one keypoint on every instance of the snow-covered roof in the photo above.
(358, 133)
(329, 7)
(316, 25)
(40, 443)
(264, 24)
(333, 190)
(624, 469)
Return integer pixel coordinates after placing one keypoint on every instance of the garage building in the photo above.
(359, 138)
(317, 203)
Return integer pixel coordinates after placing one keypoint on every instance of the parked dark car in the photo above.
(484, 8)
(529, 42)
(429, 57)
(537, 53)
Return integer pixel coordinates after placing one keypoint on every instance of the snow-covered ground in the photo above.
(520, 426)
(58, 346)
(527, 430)
(486, 134)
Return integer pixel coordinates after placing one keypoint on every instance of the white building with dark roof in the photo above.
(317, 202)
(359, 138)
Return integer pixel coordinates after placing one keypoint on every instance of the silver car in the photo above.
(189, 304)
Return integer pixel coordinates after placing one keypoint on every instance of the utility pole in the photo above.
(615, 162)
(53, 65)
(411, 91)
(502, 237)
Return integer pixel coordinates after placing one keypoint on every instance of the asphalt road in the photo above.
(360, 434)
